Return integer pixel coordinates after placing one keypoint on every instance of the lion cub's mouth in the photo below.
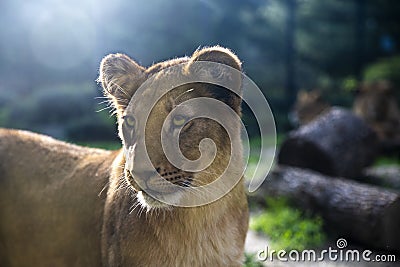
(152, 189)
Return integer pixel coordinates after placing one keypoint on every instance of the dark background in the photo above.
(50, 51)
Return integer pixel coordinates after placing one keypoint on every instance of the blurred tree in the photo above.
(326, 35)
(291, 90)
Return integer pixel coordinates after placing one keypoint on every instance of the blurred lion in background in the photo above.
(308, 106)
(375, 102)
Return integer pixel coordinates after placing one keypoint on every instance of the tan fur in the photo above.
(65, 205)
(308, 106)
(376, 104)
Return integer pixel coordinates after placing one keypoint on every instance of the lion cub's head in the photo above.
(153, 111)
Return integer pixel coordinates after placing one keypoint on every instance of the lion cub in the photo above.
(65, 205)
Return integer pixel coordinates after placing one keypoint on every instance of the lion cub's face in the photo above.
(121, 78)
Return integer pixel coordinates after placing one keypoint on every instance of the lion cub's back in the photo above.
(50, 207)
(40, 159)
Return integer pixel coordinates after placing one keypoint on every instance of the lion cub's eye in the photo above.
(179, 120)
(129, 121)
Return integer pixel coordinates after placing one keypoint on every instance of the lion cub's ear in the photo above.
(217, 54)
(224, 56)
(120, 77)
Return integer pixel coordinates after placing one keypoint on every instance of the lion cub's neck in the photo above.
(200, 236)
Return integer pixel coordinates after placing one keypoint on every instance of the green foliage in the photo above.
(321, 22)
(350, 84)
(3, 116)
(65, 111)
(255, 145)
(288, 227)
(382, 161)
(250, 261)
(385, 69)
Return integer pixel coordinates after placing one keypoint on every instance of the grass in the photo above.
(251, 261)
(288, 227)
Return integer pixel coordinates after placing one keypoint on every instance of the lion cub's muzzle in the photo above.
(163, 180)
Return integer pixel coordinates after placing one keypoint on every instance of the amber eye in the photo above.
(179, 120)
(129, 121)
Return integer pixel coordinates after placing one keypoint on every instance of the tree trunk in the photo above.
(337, 143)
(362, 213)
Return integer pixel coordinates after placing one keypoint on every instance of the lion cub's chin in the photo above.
(150, 203)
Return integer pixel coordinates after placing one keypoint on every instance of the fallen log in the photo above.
(363, 213)
(337, 143)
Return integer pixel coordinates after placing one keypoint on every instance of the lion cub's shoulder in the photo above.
(24, 145)
(12, 137)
